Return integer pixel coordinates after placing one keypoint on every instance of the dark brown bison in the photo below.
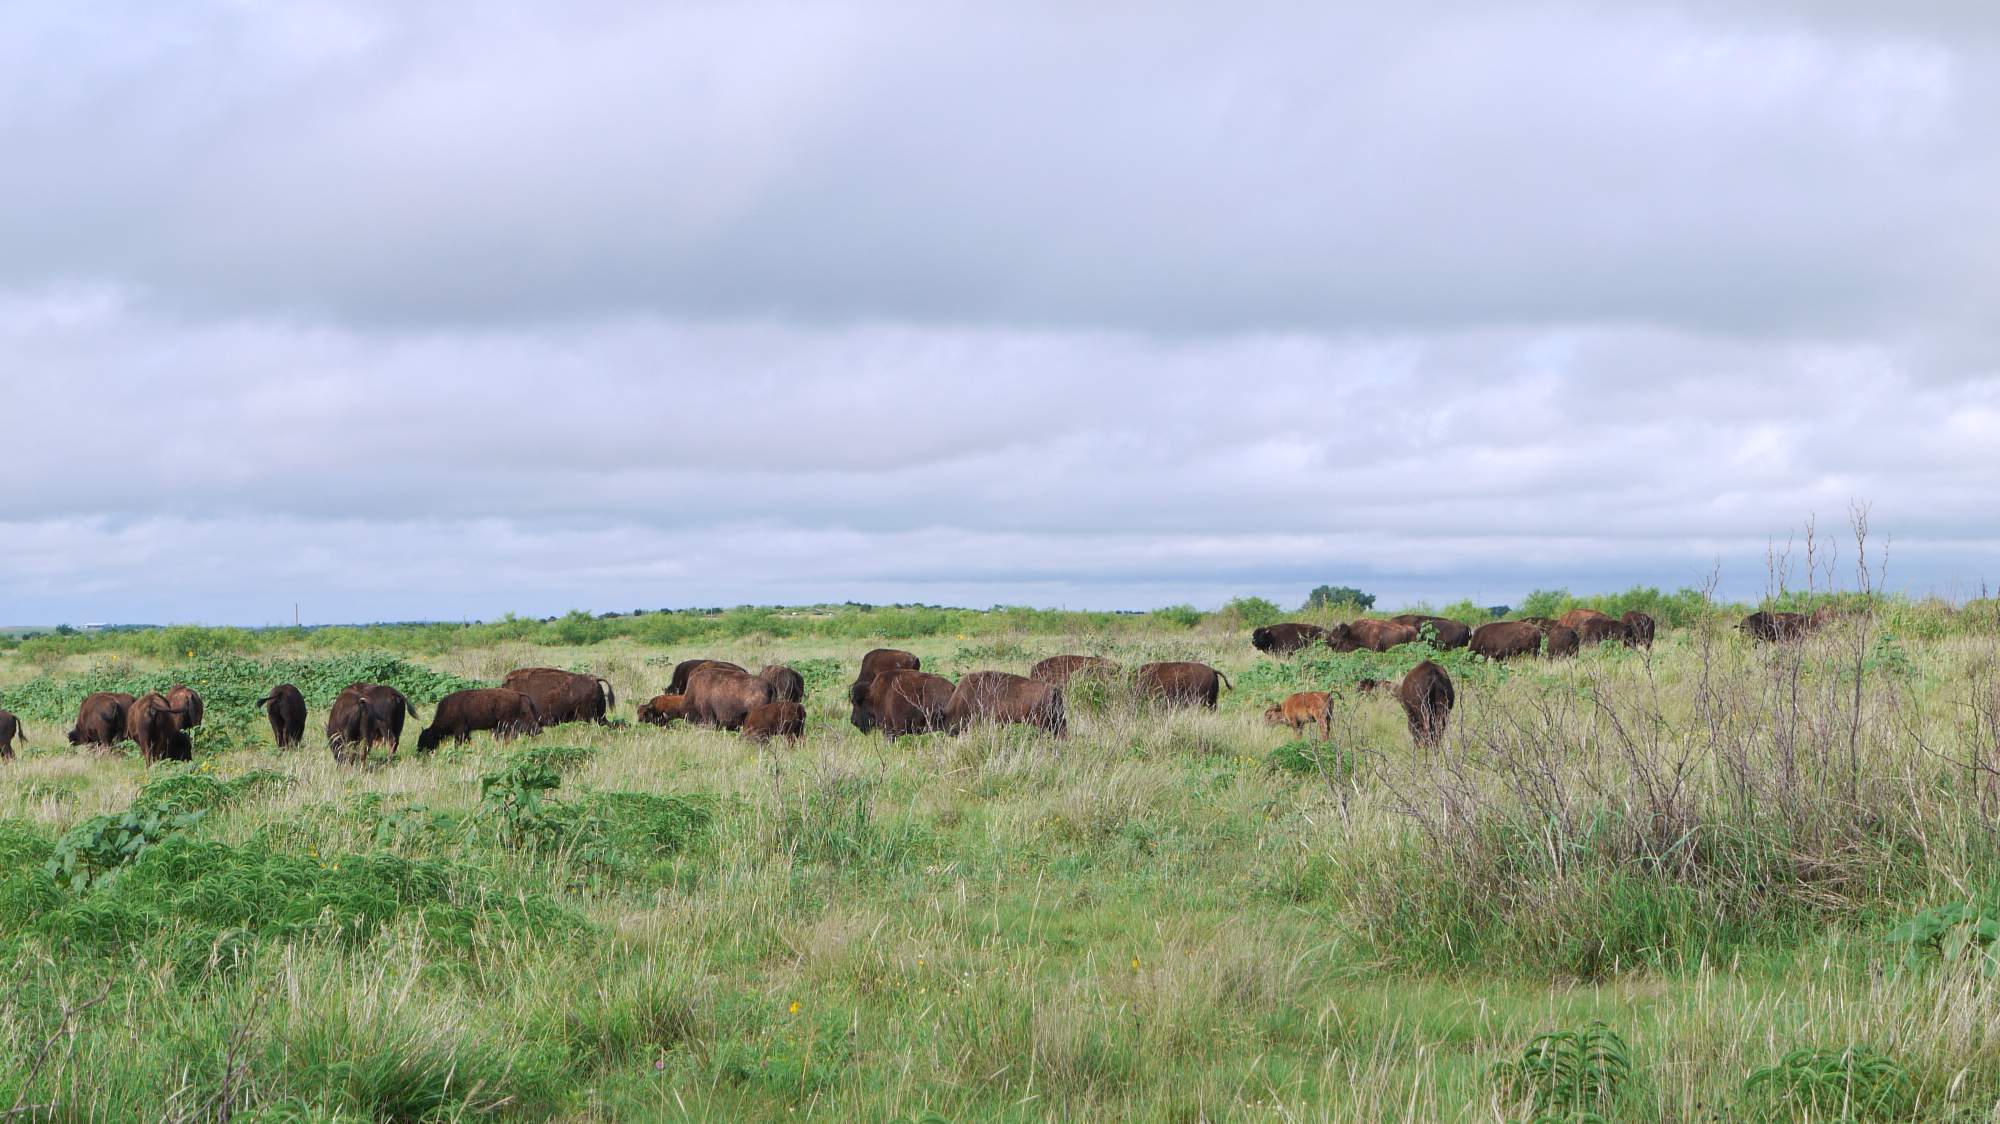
(157, 727)
(1776, 628)
(366, 715)
(723, 697)
(1314, 707)
(1641, 627)
(1285, 639)
(188, 701)
(1575, 618)
(781, 719)
(1504, 640)
(1057, 671)
(101, 719)
(1427, 699)
(900, 701)
(886, 659)
(10, 729)
(1180, 683)
(789, 685)
(1003, 697)
(1561, 642)
(1446, 633)
(663, 709)
(506, 712)
(1369, 633)
(1543, 623)
(1603, 630)
(564, 696)
(678, 685)
(286, 708)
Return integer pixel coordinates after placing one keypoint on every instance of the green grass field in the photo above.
(1771, 874)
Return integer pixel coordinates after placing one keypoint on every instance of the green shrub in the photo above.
(1567, 1074)
(1854, 1085)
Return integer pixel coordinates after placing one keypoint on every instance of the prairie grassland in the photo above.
(1724, 853)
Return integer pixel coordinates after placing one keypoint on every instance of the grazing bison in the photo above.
(1285, 639)
(1504, 640)
(506, 712)
(286, 708)
(1427, 699)
(1369, 633)
(10, 728)
(781, 719)
(1180, 683)
(1777, 628)
(678, 685)
(663, 709)
(1001, 696)
(722, 697)
(1057, 671)
(1369, 686)
(1603, 630)
(1561, 642)
(789, 685)
(1641, 627)
(101, 719)
(886, 659)
(1575, 618)
(366, 715)
(564, 696)
(900, 701)
(1304, 707)
(187, 700)
(156, 726)
(1445, 632)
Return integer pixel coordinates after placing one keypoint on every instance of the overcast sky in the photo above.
(446, 310)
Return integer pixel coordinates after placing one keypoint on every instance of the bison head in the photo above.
(1260, 638)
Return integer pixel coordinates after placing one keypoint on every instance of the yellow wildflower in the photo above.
(795, 1006)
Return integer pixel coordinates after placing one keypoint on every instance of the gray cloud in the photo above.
(406, 310)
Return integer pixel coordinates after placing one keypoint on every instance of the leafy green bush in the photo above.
(1311, 758)
(1854, 1085)
(1252, 612)
(1960, 931)
(1568, 1074)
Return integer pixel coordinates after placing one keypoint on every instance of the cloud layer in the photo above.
(416, 311)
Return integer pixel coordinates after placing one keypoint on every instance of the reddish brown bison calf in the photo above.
(286, 709)
(1301, 709)
(661, 710)
(506, 712)
(781, 719)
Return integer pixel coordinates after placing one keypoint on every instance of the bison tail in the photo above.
(265, 701)
(412, 710)
(1225, 681)
(610, 696)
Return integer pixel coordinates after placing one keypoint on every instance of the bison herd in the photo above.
(891, 693)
